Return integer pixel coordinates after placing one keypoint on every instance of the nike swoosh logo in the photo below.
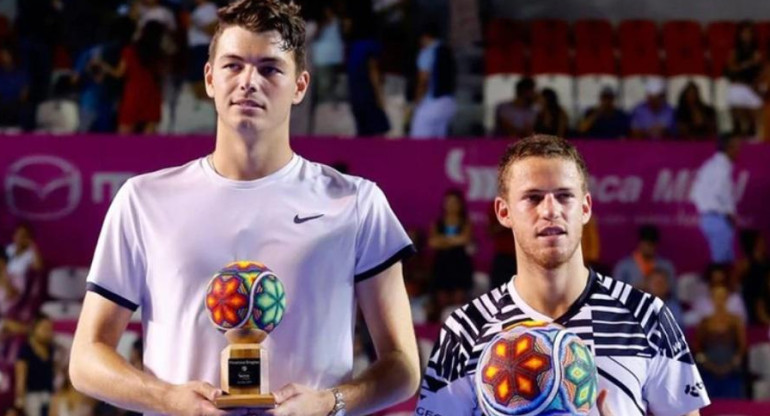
(298, 220)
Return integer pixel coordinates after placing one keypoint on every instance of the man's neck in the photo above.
(551, 291)
(241, 157)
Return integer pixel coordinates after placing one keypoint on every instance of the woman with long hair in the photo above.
(142, 64)
(551, 119)
(694, 119)
(450, 238)
(743, 68)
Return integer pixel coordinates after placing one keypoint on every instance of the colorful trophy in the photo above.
(247, 301)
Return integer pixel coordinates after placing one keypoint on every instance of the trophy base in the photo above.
(262, 401)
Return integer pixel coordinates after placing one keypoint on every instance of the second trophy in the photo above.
(246, 300)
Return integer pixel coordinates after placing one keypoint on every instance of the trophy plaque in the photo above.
(245, 300)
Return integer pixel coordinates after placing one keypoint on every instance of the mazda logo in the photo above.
(42, 187)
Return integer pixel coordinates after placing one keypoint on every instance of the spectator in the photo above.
(450, 238)
(713, 194)
(100, 92)
(504, 257)
(23, 253)
(551, 118)
(153, 11)
(203, 24)
(14, 90)
(365, 82)
(653, 118)
(634, 268)
(516, 118)
(694, 119)
(35, 369)
(743, 68)
(142, 65)
(754, 274)
(59, 114)
(605, 121)
(328, 54)
(10, 287)
(717, 275)
(436, 82)
(720, 348)
(658, 283)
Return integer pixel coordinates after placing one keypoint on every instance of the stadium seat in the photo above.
(589, 87)
(67, 283)
(497, 89)
(504, 31)
(505, 59)
(639, 51)
(194, 115)
(334, 119)
(632, 90)
(550, 48)
(685, 59)
(683, 47)
(690, 286)
(763, 33)
(721, 40)
(594, 48)
(62, 309)
(759, 360)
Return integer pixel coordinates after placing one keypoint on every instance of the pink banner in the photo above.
(63, 185)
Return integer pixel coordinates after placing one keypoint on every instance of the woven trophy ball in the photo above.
(536, 368)
(245, 294)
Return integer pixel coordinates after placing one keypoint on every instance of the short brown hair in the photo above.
(539, 145)
(260, 16)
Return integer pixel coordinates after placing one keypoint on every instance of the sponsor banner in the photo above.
(63, 185)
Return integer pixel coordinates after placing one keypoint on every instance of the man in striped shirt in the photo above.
(643, 361)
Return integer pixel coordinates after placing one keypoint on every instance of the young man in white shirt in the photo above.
(642, 358)
(332, 239)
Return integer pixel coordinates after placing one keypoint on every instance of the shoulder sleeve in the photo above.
(381, 241)
(118, 267)
(446, 388)
(425, 60)
(673, 385)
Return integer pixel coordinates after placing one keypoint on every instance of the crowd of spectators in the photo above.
(137, 67)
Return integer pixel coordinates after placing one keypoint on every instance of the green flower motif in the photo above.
(270, 303)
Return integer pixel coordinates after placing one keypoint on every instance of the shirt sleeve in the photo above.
(425, 60)
(381, 241)
(118, 268)
(446, 388)
(674, 385)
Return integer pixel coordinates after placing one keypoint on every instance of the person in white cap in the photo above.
(653, 118)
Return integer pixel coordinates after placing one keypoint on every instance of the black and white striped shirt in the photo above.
(641, 354)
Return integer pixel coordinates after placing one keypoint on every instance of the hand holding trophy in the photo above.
(247, 301)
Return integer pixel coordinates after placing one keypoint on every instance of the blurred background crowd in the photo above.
(395, 68)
